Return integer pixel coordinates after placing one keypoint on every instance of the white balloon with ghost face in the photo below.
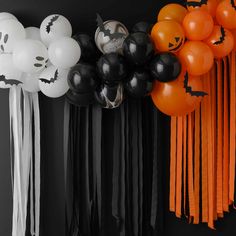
(30, 82)
(11, 31)
(54, 27)
(33, 33)
(30, 56)
(9, 74)
(6, 16)
(53, 82)
(64, 52)
(114, 41)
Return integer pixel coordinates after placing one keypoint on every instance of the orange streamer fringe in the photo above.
(202, 159)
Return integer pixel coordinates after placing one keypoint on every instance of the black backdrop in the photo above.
(82, 16)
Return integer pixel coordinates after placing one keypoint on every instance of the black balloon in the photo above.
(112, 68)
(165, 67)
(139, 83)
(80, 99)
(138, 48)
(110, 96)
(142, 26)
(82, 78)
(89, 51)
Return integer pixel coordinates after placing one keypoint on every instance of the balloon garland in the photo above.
(187, 55)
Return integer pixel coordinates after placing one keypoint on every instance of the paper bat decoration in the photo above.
(196, 4)
(51, 22)
(51, 80)
(107, 32)
(189, 90)
(9, 81)
(222, 37)
(233, 4)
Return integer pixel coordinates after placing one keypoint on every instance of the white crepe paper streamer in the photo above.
(24, 174)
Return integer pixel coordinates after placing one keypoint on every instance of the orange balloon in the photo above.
(226, 14)
(197, 57)
(221, 41)
(207, 5)
(172, 11)
(198, 25)
(173, 99)
(168, 36)
(234, 35)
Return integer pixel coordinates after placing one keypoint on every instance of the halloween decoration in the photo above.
(64, 52)
(53, 82)
(30, 56)
(33, 33)
(30, 82)
(142, 26)
(173, 12)
(197, 57)
(80, 99)
(139, 83)
(54, 27)
(207, 5)
(6, 16)
(110, 35)
(138, 48)
(226, 13)
(220, 41)
(168, 36)
(165, 67)
(11, 31)
(112, 68)
(198, 25)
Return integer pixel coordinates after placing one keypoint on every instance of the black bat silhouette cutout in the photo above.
(51, 80)
(233, 4)
(51, 22)
(196, 4)
(189, 90)
(9, 81)
(107, 32)
(222, 37)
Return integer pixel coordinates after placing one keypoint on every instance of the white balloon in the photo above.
(30, 82)
(9, 74)
(6, 16)
(30, 56)
(11, 31)
(53, 82)
(54, 27)
(33, 33)
(64, 53)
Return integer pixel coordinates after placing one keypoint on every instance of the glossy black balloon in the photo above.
(110, 96)
(142, 26)
(165, 67)
(80, 99)
(89, 51)
(139, 83)
(112, 68)
(138, 48)
(82, 78)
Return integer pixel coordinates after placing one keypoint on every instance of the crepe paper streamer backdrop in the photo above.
(119, 187)
(25, 153)
(202, 155)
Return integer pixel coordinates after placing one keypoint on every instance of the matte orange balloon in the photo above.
(234, 35)
(207, 5)
(168, 36)
(226, 14)
(221, 41)
(173, 99)
(172, 11)
(198, 25)
(197, 57)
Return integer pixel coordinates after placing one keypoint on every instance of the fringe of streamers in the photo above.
(114, 189)
(202, 155)
(25, 160)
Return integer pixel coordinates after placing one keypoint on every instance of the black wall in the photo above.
(82, 16)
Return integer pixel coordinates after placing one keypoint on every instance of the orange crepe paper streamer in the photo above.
(185, 161)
